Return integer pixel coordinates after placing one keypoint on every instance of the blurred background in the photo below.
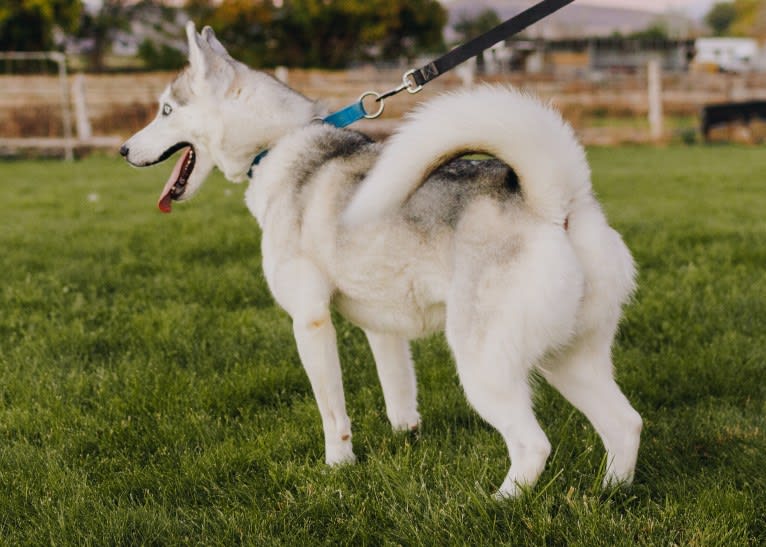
(80, 75)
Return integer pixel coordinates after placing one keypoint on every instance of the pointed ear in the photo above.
(209, 36)
(196, 58)
(207, 65)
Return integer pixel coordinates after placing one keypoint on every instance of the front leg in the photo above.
(315, 336)
(305, 293)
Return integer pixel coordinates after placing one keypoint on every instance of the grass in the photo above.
(150, 390)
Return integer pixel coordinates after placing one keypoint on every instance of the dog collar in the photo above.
(342, 118)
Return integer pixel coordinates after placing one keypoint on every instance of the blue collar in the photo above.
(342, 118)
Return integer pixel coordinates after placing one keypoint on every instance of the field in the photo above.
(150, 390)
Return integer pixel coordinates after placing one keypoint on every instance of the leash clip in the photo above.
(408, 82)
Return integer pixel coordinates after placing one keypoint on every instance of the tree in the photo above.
(323, 33)
(27, 25)
(721, 17)
(470, 27)
(409, 27)
(751, 18)
(246, 27)
(657, 31)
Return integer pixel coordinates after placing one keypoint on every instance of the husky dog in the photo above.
(512, 258)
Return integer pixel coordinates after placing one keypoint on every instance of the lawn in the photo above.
(150, 390)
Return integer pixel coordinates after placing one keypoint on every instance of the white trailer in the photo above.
(728, 54)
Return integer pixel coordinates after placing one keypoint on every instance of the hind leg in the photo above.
(397, 378)
(584, 377)
(500, 393)
(498, 329)
(512, 299)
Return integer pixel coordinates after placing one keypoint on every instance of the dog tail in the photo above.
(521, 131)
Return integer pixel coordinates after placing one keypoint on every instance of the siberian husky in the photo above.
(513, 257)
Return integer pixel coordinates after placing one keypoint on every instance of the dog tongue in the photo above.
(165, 198)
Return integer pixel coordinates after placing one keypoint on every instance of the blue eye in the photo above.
(166, 109)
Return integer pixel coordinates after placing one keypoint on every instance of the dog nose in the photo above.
(124, 151)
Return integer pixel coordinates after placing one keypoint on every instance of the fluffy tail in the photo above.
(514, 127)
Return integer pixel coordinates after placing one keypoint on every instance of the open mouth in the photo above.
(176, 185)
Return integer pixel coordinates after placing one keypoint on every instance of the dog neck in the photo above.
(263, 110)
(291, 111)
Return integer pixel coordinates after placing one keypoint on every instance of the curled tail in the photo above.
(521, 131)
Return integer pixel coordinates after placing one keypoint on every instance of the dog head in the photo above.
(219, 113)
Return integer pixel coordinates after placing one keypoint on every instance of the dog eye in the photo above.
(166, 109)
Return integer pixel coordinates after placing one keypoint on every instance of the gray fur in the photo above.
(442, 198)
(180, 89)
(329, 145)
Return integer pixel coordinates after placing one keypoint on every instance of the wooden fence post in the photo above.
(654, 77)
(84, 130)
(66, 115)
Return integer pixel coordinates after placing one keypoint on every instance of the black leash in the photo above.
(414, 80)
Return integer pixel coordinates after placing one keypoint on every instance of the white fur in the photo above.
(515, 286)
(505, 123)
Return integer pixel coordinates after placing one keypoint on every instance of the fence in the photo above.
(37, 111)
(608, 110)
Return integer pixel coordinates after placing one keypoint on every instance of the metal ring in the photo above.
(411, 85)
(366, 94)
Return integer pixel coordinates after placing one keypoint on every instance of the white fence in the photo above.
(67, 97)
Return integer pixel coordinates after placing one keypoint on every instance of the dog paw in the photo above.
(613, 479)
(405, 422)
(340, 454)
(508, 490)
(337, 461)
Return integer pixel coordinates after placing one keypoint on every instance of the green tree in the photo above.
(27, 25)
(470, 27)
(247, 28)
(656, 31)
(406, 28)
(323, 33)
(751, 18)
(721, 17)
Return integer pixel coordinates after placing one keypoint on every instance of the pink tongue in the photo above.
(165, 199)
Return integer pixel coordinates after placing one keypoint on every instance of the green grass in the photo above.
(150, 390)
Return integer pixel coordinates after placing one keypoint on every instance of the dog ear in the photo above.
(209, 36)
(196, 57)
(207, 64)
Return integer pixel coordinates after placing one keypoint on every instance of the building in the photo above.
(599, 55)
(728, 55)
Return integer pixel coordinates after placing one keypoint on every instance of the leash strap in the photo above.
(342, 118)
(346, 116)
(460, 54)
